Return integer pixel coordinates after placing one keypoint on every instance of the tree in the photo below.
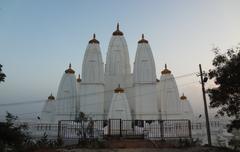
(2, 75)
(13, 136)
(226, 76)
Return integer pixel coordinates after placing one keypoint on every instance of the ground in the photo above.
(191, 149)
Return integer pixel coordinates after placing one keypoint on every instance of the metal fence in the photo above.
(148, 129)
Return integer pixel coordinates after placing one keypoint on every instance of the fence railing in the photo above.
(148, 129)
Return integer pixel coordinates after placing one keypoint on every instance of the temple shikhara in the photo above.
(110, 100)
(111, 91)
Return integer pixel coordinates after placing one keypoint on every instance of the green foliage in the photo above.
(226, 94)
(226, 76)
(2, 75)
(81, 117)
(13, 136)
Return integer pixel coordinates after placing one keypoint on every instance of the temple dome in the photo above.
(92, 67)
(169, 101)
(117, 62)
(48, 111)
(144, 66)
(66, 96)
(119, 108)
(186, 108)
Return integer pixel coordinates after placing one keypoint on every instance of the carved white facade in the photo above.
(119, 108)
(144, 78)
(144, 97)
(49, 109)
(186, 108)
(92, 85)
(66, 96)
(168, 97)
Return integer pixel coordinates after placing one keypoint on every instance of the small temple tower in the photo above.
(144, 79)
(78, 93)
(168, 96)
(117, 68)
(119, 108)
(92, 85)
(186, 108)
(67, 96)
(48, 111)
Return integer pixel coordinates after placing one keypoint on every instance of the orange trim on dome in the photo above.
(51, 97)
(70, 70)
(183, 97)
(79, 78)
(142, 40)
(119, 89)
(166, 71)
(94, 40)
(117, 32)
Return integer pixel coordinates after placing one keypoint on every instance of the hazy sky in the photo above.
(38, 39)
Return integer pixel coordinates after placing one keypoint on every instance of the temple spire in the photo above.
(118, 26)
(79, 78)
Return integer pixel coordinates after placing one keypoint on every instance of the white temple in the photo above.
(143, 96)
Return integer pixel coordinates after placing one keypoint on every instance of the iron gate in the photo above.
(149, 129)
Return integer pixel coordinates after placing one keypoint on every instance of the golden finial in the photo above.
(183, 97)
(118, 26)
(119, 89)
(118, 32)
(94, 40)
(79, 78)
(70, 70)
(166, 71)
(142, 40)
(51, 97)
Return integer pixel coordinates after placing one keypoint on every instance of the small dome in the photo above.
(119, 89)
(183, 97)
(166, 71)
(70, 70)
(142, 40)
(117, 32)
(94, 40)
(51, 97)
(79, 79)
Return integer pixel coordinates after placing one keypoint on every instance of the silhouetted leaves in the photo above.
(226, 76)
(2, 75)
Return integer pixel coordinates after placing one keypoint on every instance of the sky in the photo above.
(38, 39)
